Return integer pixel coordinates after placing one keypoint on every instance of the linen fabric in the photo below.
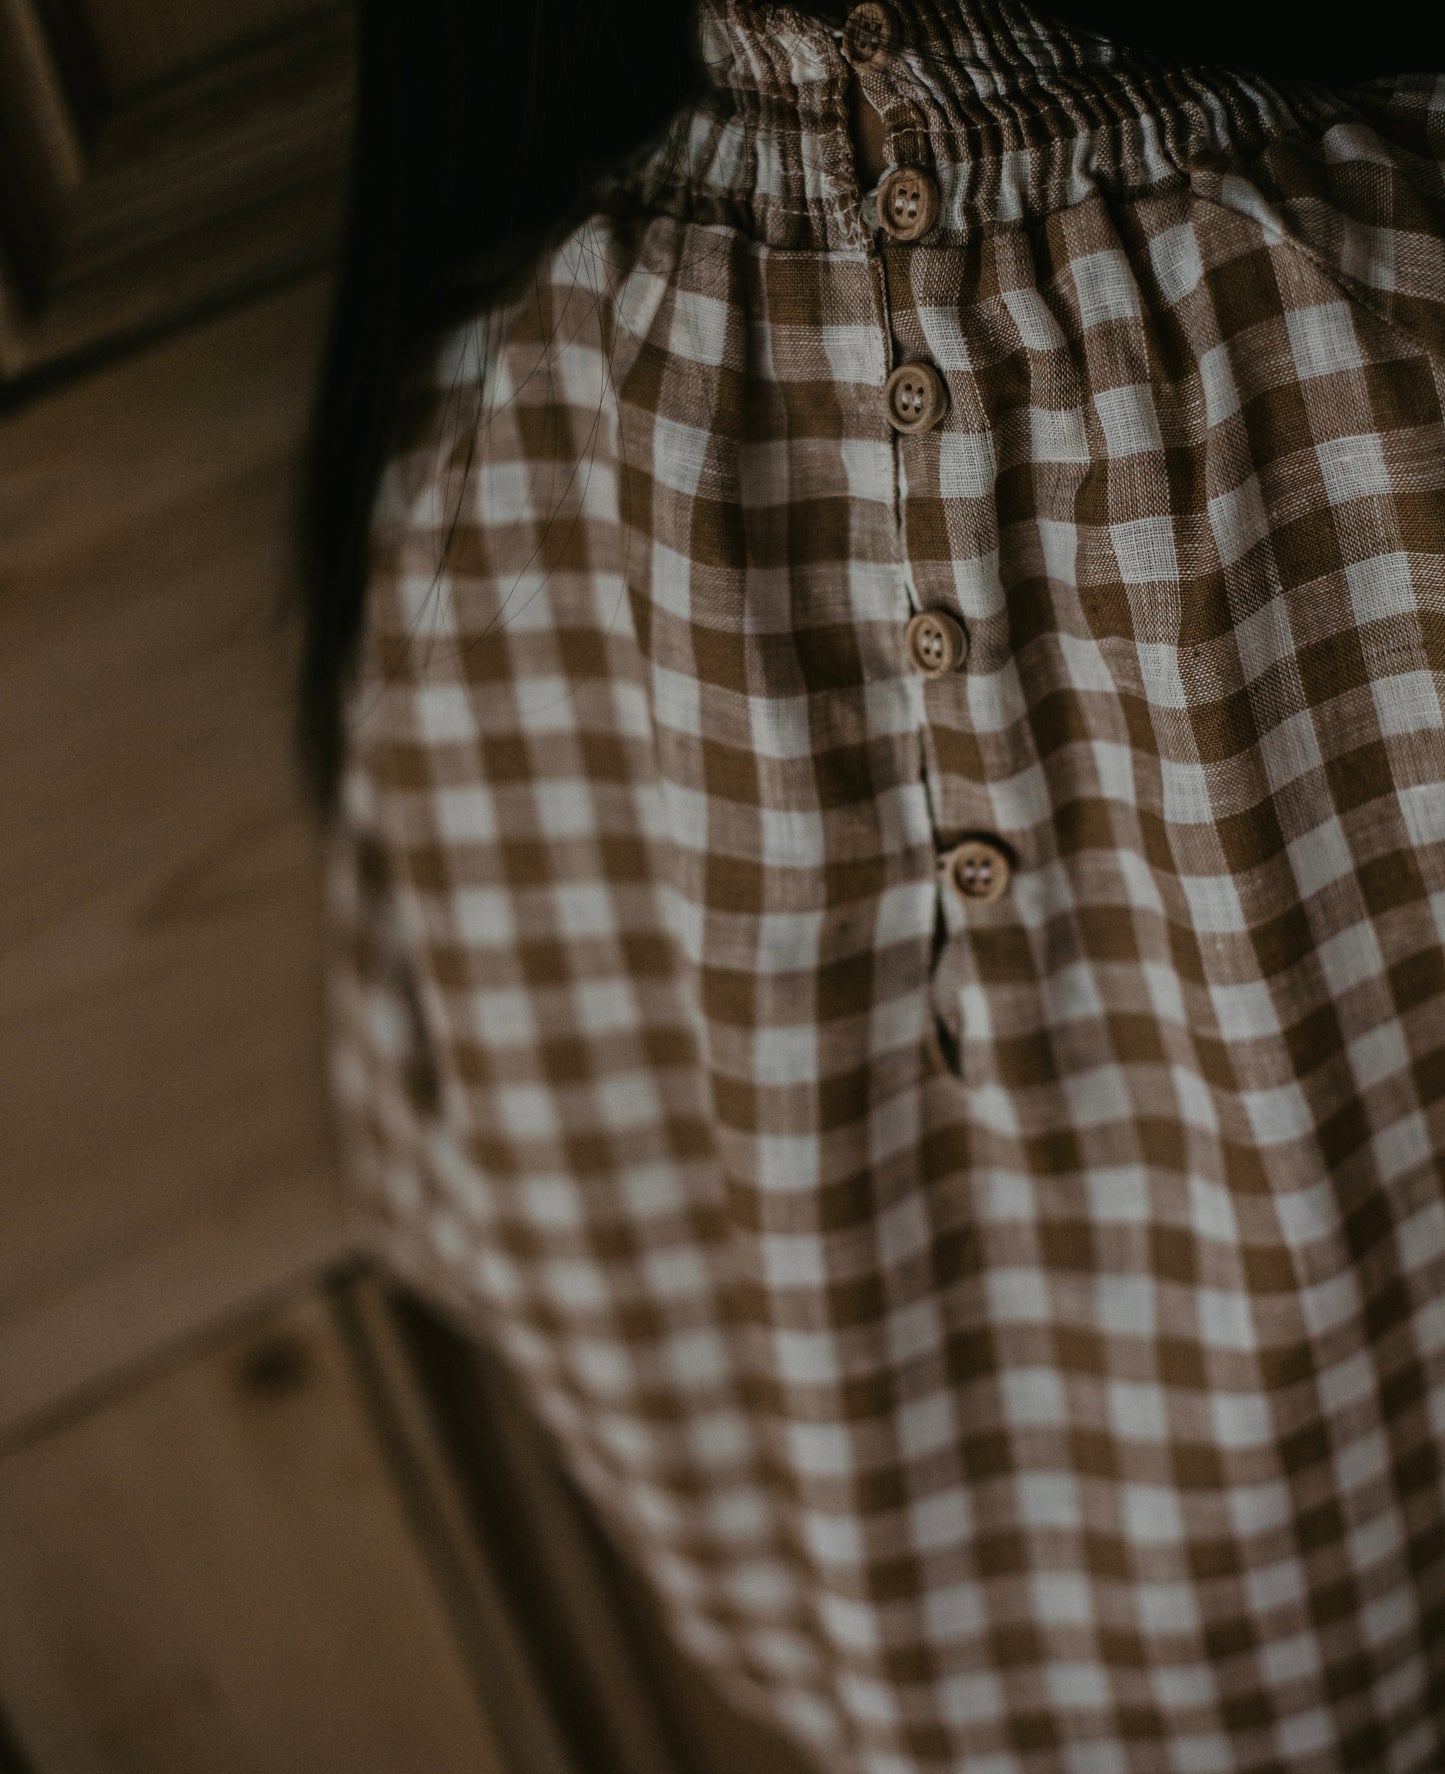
(1009, 1337)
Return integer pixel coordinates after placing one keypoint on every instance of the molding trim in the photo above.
(121, 219)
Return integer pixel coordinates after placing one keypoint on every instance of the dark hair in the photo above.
(481, 127)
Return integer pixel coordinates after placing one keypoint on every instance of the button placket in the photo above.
(904, 206)
(901, 199)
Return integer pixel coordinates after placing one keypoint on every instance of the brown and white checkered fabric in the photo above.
(1009, 1333)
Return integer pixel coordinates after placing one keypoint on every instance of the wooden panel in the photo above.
(156, 159)
(137, 43)
(216, 1572)
(166, 1151)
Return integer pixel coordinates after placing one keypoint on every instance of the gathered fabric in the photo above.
(890, 958)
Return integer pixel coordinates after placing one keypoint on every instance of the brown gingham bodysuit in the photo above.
(887, 929)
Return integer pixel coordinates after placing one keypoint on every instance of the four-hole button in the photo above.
(915, 397)
(937, 643)
(907, 203)
(979, 869)
(870, 34)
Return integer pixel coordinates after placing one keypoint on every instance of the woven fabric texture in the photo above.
(1009, 1334)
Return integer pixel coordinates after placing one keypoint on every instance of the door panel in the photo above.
(138, 43)
(216, 1571)
(157, 158)
(166, 1152)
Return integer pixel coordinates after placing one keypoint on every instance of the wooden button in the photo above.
(937, 643)
(979, 869)
(915, 397)
(870, 34)
(907, 203)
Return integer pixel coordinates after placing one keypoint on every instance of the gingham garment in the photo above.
(1009, 1336)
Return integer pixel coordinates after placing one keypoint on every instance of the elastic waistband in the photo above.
(1015, 115)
